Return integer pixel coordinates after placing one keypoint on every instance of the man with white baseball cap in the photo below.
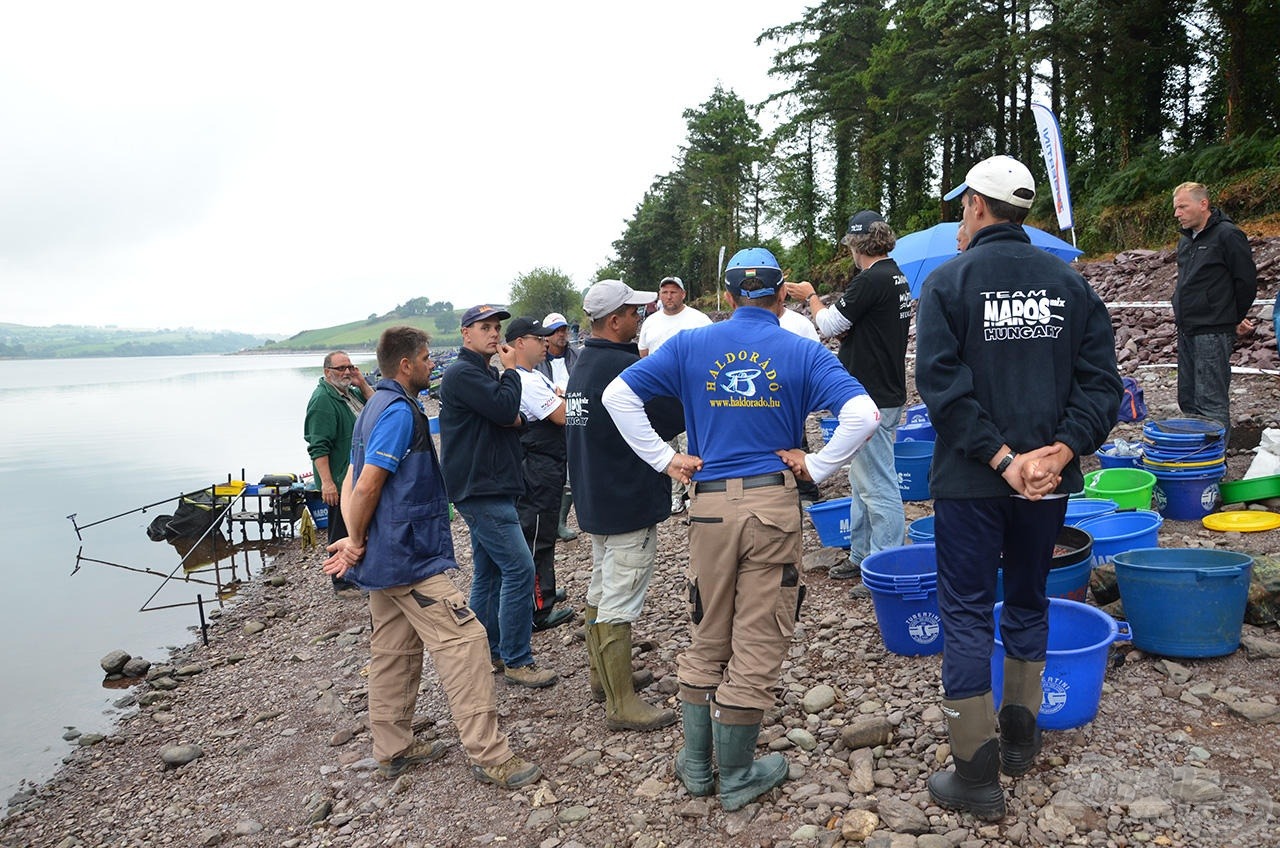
(557, 365)
(1016, 360)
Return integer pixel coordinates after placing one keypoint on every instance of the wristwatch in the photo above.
(1006, 462)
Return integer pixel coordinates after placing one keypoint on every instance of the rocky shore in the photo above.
(259, 739)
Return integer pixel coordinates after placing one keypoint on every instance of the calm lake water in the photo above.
(97, 437)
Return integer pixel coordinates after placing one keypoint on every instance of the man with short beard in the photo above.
(331, 413)
(395, 483)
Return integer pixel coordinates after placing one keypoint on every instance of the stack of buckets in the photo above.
(913, 453)
(1188, 458)
(904, 591)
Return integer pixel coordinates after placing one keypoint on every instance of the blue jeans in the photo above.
(1204, 376)
(971, 535)
(876, 519)
(502, 577)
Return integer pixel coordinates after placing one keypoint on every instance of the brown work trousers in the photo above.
(744, 590)
(434, 614)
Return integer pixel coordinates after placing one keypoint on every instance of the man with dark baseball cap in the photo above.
(543, 468)
(481, 459)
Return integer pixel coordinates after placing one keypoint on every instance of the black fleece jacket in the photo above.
(614, 491)
(1217, 279)
(1012, 346)
(480, 452)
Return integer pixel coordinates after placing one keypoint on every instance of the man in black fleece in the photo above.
(1217, 282)
(621, 500)
(1015, 358)
(480, 456)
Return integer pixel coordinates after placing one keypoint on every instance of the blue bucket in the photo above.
(920, 431)
(1184, 602)
(1122, 531)
(1078, 509)
(831, 520)
(920, 531)
(912, 460)
(1182, 432)
(1069, 571)
(318, 508)
(1187, 495)
(1108, 459)
(828, 426)
(904, 592)
(1080, 637)
(434, 424)
(916, 413)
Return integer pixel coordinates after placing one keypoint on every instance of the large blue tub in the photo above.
(1184, 602)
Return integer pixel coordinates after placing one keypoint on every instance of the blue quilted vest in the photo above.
(409, 535)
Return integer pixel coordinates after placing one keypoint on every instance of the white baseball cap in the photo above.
(554, 321)
(607, 295)
(999, 178)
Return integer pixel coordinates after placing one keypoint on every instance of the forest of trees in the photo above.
(885, 104)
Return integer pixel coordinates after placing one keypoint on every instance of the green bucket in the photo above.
(1130, 488)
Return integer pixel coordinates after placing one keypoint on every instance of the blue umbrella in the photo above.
(917, 254)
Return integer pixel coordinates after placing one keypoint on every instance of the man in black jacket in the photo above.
(1015, 358)
(480, 457)
(1217, 282)
(557, 365)
(621, 500)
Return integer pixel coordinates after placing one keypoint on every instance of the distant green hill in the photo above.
(443, 328)
(64, 341)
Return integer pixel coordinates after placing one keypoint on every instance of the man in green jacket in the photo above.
(331, 416)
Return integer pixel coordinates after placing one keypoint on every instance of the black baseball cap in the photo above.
(524, 326)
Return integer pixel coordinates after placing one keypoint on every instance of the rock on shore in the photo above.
(276, 707)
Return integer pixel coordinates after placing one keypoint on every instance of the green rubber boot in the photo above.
(624, 710)
(1019, 708)
(593, 659)
(640, 680)
(693, 761)
(974, 784)
(742, 777)
(563, 530)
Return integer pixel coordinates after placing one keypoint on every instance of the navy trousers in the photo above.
(970, 536)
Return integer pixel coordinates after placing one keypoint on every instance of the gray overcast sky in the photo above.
(271, 167)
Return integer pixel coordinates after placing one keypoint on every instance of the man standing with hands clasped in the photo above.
(1016, 362)
(399, 550)
(746, 385)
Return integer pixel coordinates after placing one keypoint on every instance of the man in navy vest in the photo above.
(399, 548)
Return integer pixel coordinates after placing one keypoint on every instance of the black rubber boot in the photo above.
(974, 784)
(1019, 708)
(693, 760)
(742, 777)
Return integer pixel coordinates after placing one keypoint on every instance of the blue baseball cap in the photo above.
(483, 312)
(754, 267)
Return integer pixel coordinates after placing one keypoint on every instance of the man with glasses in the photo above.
(481, 458)
(542, 439)
(331, 415)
